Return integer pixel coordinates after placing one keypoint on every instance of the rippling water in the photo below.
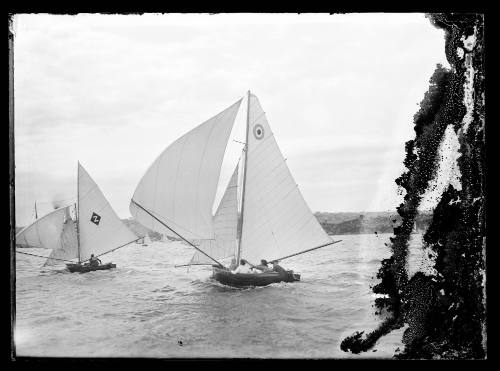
(146, 307)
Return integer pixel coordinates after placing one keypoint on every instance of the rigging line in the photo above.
(188, 265)
(301, 252)
(45, 257)
(147, 211)
(116, 248)
(170, 221)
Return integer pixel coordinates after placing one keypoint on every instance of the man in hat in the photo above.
(94, 261)
(263, 266)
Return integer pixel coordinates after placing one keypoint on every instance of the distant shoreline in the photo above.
(334, 223)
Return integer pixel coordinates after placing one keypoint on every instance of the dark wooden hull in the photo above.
(85, 268)
(225, 277)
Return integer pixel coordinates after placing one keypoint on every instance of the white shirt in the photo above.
(242, 269)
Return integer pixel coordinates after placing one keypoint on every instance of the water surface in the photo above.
(148, 308)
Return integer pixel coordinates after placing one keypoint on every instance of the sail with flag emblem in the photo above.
(175, 196)
(96, 230)
(276, 219)
(225, 227)
(100, 229)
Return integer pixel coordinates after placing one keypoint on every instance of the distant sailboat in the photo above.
(97, 229)
(176, 196)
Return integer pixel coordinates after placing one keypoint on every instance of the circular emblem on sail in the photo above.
(258, 131)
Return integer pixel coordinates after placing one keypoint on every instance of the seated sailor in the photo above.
(242, 268)
(94, 261)
(263, 266)
(277, 268)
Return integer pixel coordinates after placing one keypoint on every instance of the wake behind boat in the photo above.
(95, 230)
(176, 195)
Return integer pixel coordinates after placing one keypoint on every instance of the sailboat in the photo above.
(95, 229)
(176, 195)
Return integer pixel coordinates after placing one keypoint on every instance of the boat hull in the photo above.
(224, 276)
(74, 268)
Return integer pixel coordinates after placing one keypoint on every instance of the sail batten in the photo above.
(181, 184)
(276, 220)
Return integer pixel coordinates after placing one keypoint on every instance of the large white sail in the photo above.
(44, 232)
(100, 229)
(69, 242)
(179, 187)
(276, 219)
(225, 227)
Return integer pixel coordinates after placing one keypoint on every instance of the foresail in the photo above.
(100, 229)
(276, 220)
(179, 187)
(45, 232)
(225, 227)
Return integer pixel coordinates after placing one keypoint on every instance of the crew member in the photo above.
(263, 266)
(277, 268)
(242, 268)
(94, 261)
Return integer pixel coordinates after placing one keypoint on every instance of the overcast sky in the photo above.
(113, 91)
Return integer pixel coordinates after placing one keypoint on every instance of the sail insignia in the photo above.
(100, 228)
(276, 220)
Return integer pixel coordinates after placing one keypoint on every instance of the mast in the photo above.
(36, 214)
(77, 212)
(238, 254)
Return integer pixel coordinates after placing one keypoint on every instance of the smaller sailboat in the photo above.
(94, 230)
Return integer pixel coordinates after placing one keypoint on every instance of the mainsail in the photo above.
(100, 229)
(225, 227)
(45, 232)
(179, 187)
(276, 219)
